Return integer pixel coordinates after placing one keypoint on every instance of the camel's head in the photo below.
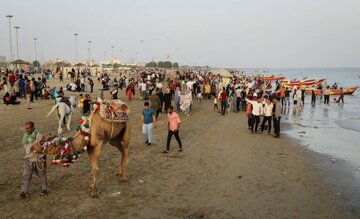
(125, 108)
(47, 137)
(36, 147)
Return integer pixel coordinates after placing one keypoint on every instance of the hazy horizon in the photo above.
(230, 33)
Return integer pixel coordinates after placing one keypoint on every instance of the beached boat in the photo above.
(302, 84)
(273, 78)
(347, 91)
(299, 84)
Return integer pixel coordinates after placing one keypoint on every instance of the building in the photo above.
(2, 58)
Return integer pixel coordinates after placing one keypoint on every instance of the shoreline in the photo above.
(337, 173)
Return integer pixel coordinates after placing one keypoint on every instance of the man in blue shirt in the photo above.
(148, 122)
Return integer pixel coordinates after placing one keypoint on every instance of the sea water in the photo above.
(332, 129)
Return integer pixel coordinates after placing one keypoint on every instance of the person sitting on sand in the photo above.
(7, 99)
(61, 92)
(72, 87)
(13, 98)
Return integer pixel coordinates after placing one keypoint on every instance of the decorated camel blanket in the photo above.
(114, 111)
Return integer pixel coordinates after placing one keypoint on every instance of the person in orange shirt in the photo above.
(282, 95)
(173, 125)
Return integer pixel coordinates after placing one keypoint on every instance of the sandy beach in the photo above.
(223, 172)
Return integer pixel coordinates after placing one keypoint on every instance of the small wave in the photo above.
(351, 124)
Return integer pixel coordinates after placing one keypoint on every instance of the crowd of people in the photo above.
(16, 85)
(262, 101)
(170, 92)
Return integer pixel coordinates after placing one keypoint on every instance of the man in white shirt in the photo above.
(255, 113)
(190, 84)
(159, 85)
(142, 86)
(268, 112)
(299, 98)
(238, 98)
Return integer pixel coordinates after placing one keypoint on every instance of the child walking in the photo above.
(216, 104)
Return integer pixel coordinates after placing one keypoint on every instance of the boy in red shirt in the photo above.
(223, 97)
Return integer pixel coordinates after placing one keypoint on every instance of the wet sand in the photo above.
(224, 172)
(332, 131)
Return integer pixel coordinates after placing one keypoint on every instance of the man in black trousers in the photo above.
(277, 116)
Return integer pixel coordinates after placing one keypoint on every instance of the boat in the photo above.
(302, 84)
(299, 84)
(273, 78)
(347, 91)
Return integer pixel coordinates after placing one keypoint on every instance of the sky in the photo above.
(218, 33)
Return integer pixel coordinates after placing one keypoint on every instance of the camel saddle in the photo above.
(114, 111)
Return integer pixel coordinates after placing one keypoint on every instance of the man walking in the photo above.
(173, 125)
(91, 83)
(268, 110)
(277, 116)
(28, 94)
(341, 98)
(326, 95)
(31, 162)
(38, 89)
(155, 103)
(148, 120)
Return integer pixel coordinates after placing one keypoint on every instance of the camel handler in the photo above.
(31, 163)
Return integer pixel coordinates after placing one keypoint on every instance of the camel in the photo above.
(102, 131)
(64, 113)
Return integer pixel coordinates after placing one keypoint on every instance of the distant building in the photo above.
(2, 58)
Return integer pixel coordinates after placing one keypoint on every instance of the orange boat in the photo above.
(302, 84)
(347, 91)
(273, 78)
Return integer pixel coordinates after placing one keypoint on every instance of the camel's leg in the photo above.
(124, 149)
(69, 121)
(122, 143)
(94, 156)
(120, 168)
(61, 118)
(126, 160)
